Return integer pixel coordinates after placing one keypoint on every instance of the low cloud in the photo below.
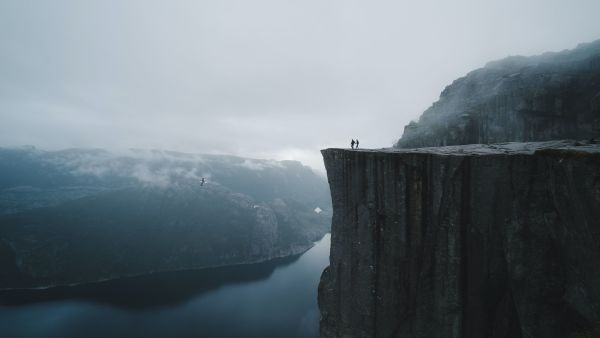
(262, 79)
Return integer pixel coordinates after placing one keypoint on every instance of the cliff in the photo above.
(551, 96)
(463, 241)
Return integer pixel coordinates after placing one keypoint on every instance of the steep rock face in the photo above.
(463, 241)
(547, 97)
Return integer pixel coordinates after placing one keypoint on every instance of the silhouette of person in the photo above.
(202, 182)
(352, 144)
(356, 143)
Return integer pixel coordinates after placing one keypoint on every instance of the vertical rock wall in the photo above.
(465, 241)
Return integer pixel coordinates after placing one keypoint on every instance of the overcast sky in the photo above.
(274, 79)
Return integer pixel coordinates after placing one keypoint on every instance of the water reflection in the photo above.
(161, 289)
(273, 299)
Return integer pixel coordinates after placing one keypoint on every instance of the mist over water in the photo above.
(272, 299)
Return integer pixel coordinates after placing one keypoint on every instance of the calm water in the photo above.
(274, 299)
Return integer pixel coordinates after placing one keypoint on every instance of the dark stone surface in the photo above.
(464, 241)
(547, 97)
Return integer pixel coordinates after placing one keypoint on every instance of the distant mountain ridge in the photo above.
(79, 215)
(555, 95)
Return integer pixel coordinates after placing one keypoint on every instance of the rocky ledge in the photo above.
(464, 241)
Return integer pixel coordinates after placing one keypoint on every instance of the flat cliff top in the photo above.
(508, 148)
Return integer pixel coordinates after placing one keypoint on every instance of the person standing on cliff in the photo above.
(356, 143)
(352, 144)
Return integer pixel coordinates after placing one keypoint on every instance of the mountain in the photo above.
(78, 215)
(517, 99)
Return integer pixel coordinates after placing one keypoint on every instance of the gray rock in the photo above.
(547, 97)
(465, 241)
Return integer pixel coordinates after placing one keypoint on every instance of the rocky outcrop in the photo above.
(463, 241)
(547, 97)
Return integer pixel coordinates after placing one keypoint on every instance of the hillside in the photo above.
(517, 99)
(84, 215)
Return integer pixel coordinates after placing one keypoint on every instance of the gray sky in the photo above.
(274, 79)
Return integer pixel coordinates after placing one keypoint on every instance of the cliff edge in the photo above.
(463, 241)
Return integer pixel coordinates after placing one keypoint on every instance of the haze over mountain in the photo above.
(551, 96)
(262, 79)
(81, 215)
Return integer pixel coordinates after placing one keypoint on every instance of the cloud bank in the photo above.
(265, 78)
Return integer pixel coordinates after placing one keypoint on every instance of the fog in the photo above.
(271, 79)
